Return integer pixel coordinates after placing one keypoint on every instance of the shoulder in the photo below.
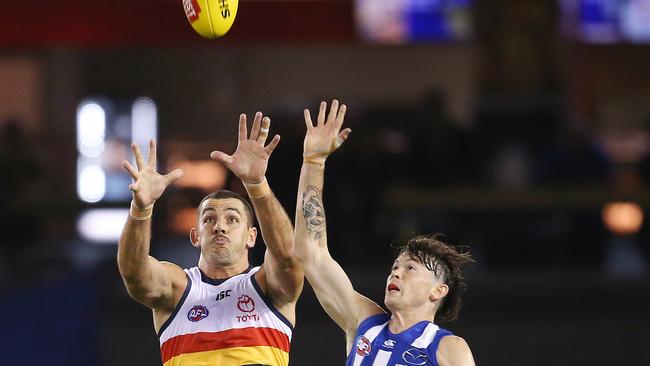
(371, 321)
(174, 269)
(277, 287)
(177, 275)
(375, 319)
(453, 350)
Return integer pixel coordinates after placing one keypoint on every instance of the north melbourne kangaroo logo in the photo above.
(414, 356)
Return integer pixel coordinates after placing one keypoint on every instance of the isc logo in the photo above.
(223, 294)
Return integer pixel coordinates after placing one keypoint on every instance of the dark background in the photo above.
(511, 143)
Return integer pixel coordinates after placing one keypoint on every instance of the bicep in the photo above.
(156, 288)
(336, 294)
(284, 278)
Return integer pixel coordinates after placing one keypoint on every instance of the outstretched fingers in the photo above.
(257, 124)
(340, 117)
(271, 146)
(222, 157)
(173, 175)
(334, 108)
(243, 131)
(342, 137)
(152, 153)
(308, 122)
(139, 161)
(321, 113)
(264, 130)
(134, 186)
(131, 169)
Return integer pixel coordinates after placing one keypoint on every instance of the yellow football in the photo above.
(211, 18)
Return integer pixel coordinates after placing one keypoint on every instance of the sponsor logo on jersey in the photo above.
(197, 313)
(192, 10)
(247, 318)
(363, 346)
(245, 304)
(223, 294)
(389, 343)
(415, 356)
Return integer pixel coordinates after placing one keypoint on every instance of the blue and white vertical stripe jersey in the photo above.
(375, 345)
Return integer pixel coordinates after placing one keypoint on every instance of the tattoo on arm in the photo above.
(313, 212)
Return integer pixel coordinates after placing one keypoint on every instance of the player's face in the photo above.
(409, 284)
(224, 234)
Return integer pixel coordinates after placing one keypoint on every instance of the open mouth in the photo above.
(393, 288)
(221, 240)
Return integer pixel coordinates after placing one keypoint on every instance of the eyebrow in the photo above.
(233, 209)
(227, 209)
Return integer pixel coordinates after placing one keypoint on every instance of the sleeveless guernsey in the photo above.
(225, 322)
(375, 345)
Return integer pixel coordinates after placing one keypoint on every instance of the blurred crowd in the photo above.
(417, 151)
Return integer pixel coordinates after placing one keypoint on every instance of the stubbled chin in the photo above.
(219, 254)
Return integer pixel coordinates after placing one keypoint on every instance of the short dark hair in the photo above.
(223, 194)
(446, 262)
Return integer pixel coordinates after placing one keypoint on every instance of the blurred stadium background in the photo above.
(519, 128)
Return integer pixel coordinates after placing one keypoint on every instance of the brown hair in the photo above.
(446, 262)
(223, 194)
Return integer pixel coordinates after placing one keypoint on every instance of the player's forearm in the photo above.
(275, 226)
(310, 232)
(133, 251)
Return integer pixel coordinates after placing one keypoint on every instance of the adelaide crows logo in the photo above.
(245, 304)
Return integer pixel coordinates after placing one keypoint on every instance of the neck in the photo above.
(402, 320)
(218, 271)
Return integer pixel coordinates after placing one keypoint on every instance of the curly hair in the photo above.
(446, 262)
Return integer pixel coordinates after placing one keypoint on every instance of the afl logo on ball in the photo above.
(197, 312)
(192, 10)
(363, 346)
(245, 304)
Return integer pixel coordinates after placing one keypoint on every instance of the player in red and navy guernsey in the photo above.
(424, 284)
(223, 311)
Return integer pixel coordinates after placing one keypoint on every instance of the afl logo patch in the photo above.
(245, 304)
(363, 346)
(197, 312)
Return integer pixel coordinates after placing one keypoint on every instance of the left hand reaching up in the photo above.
(324, 138)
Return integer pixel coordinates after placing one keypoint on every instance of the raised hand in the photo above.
(148, 185)
(324, 138)
(250, 160)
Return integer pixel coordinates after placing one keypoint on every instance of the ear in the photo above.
(252, 235)
(438, 292)
(194, 237)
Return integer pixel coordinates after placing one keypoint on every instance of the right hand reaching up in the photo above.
(148, 185)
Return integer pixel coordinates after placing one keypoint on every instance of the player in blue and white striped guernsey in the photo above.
(425, 282)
